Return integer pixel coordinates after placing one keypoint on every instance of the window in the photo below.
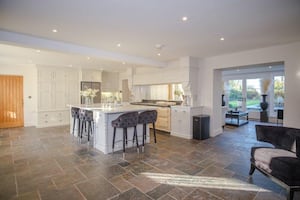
(235, 94)
(278, 92)
(253, 95)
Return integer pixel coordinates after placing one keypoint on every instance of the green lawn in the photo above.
(253, 102)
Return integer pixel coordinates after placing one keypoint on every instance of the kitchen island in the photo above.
(103, 131)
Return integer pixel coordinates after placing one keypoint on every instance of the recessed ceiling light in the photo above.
(54, 30)
(222, 39)
(38, 51)
(123, 63)
(270, 67)
(158, 54)
(118, 45)
(184, 18)
(88, 58)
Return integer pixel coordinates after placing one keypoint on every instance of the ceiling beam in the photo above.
(28, 41)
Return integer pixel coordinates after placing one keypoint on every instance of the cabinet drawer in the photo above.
(53, 118)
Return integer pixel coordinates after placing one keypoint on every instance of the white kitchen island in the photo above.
(103, 131)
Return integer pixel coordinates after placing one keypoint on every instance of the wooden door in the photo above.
(11, 101)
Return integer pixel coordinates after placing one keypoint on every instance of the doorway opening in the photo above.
(245, 88)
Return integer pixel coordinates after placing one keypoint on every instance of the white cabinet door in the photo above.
(91, 75)
(110, 82)
(45, 75)
(180, 123)
(57, 87)
(45, 97)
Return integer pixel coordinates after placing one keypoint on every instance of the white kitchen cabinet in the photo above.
(53, 118)
(91, 75)
(110, 82)
(182, 120)
(163, 121)
(57, 87)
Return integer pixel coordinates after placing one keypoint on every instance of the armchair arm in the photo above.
(280, 137)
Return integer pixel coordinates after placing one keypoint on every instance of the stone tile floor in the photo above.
(48, 163)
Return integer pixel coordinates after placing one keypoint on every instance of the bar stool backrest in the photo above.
(82, 114)
(88, 115)
(75, 112)
(147, 117)
(129, 119)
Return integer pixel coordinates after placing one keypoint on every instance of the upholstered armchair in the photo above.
(281, 162)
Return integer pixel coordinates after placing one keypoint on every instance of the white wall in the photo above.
(29, 73)
(289, 54)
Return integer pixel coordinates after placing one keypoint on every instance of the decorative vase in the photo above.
(87, 101)
(223, 101)
(264, 105)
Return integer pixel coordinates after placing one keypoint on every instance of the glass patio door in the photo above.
(243, 94)
(253, 94)
(236, 100)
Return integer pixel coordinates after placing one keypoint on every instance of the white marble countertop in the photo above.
(105, 108)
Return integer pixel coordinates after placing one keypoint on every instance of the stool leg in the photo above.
(154, 132)
(144, 134)
(82, 123)
(74, 125)
(137, 142)
(89, 129)
(78, 130)
(126, 138)
(133, 138)
(114, 137)
(124, 141)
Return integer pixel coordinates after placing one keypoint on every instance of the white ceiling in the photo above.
(94, 28)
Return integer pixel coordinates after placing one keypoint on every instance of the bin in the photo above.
(201, 127)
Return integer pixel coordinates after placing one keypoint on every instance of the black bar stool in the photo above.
(75, 115)
(86, 116)
(126, 120)
(147, 117)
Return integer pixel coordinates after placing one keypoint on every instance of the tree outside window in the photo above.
(278, 91)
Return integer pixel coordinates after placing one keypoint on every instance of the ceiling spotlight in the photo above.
(123, 63)
(38, 51)
(222, 39)
(54, 30)
(184, 18)
(270, 67)
(118, 45)
(158, 54)
(88, 58)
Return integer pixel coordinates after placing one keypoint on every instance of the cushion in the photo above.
(280, 163)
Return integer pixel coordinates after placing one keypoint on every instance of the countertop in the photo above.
(112, 108)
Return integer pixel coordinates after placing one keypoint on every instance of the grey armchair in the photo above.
(281, 162)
